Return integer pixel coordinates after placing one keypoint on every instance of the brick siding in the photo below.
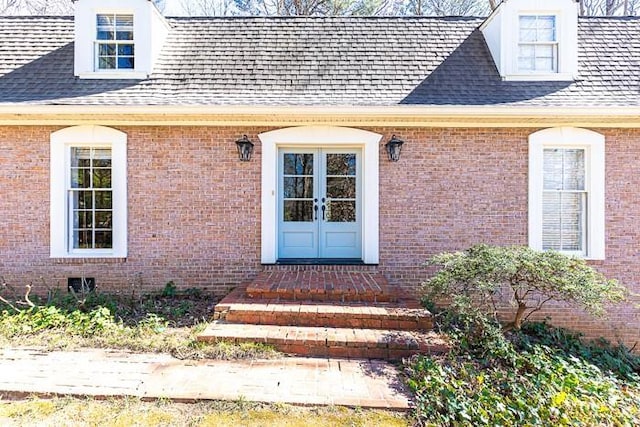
(194, 209)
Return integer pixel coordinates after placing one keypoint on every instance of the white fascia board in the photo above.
(395, 110)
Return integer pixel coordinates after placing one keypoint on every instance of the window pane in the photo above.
(82, 219)
(551, 221)
(105, 34)
(102, 178)
(298, 164)
(527, 28)
(298, 188)
(124, 35)
(108, 63)
(80, 178)
(341, 211)
(341, 164)
(574, 170)
(103, 200)
(526, 57)
(545, 57)
(125, 63)
(105, 20)
(104, 219)
(105, 49)
(125, 49)
(102, 158)
(298, 210)
(544, 64)
(124, 20)
(82, 239)
(563, 220)
(572, 210)
(82, 199)
(104, 240)
(546, 28)
(80, 157)
(341, 188)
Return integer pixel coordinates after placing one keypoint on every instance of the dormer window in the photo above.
(114, 44)
(538, 44)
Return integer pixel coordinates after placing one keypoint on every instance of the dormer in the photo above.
(534, 39)
(117, 39)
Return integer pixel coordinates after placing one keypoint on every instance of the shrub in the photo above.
(544, 387)
(531, 278)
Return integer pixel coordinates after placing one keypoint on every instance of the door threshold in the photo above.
(319, 261)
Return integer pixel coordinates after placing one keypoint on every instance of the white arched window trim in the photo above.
(594, 145)
(320, 136)
(61, 143)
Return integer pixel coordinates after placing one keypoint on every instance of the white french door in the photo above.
(319, 203)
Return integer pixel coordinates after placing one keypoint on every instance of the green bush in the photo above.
(530, 278)
(40, 318)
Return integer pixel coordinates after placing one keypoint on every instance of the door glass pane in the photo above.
(341, 164)
(341, 211)
(298, 188)
(298, 210)
(298, 164)
(341, 188)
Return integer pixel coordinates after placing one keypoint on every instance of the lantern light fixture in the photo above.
(394, 147)
(245, 148)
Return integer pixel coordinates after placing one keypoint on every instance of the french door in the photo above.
(319, 203)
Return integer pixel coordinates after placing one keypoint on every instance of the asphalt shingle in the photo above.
(318, 61)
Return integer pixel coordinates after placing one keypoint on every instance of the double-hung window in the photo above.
(566, 192)
(537, 44)
(88, 192)
(114, 42)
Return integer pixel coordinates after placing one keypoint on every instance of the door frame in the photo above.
(320, 136)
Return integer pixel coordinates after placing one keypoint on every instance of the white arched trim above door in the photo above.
(320, 136)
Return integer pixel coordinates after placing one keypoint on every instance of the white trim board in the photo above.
(594, 145)
(321, 136)
(87, 136)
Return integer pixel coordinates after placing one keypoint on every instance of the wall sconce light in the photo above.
(245, 148)
(394, 146)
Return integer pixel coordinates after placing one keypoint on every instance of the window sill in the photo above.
(539, 77)
(118, 75)
(88, 260)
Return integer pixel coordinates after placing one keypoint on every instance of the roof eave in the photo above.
(397, 115)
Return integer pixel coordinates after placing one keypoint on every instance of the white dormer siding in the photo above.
(117, 39)
(534, 39)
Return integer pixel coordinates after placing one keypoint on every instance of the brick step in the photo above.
(329, 342)
(321, 285)
(387, 316)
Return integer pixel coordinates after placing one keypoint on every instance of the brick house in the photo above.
(119, 159)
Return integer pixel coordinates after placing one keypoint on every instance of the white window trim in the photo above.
(593, 144)
(321, 136)
(61, 143)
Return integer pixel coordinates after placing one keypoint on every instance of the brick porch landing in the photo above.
(327, 313)
(321, 285)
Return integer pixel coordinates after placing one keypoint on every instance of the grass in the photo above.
(133, 412)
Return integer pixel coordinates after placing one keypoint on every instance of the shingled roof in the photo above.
(318, 61)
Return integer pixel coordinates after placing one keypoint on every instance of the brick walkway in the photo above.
(294, 380)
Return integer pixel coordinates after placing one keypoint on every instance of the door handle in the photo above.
(315, 208)
(324, 208)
